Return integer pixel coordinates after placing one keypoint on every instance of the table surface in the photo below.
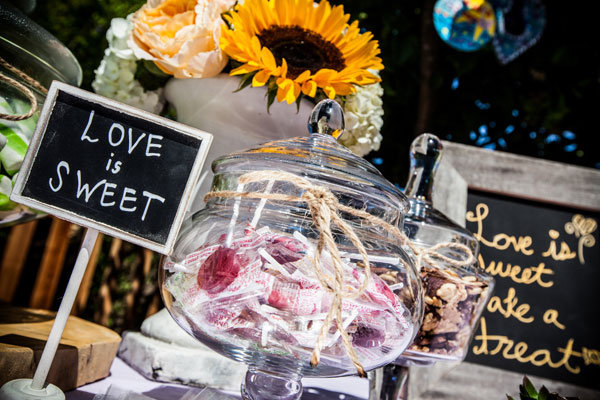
(125, 377)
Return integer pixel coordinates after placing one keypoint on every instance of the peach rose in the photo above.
(181, 36)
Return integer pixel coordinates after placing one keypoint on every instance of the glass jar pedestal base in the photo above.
(389, 382)
(261, 385)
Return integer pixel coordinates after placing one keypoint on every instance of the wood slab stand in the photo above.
(84, 355)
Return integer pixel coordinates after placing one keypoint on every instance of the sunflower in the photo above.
(297, 48)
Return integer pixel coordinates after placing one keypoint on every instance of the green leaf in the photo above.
(246, 81)
(544, 394)
(271, 94)
(146, 74)
(529, 388)
(153, 69)
(298, 101)
(170, 112)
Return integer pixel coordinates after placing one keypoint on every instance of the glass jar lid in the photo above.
(424, 225)
(321, 158)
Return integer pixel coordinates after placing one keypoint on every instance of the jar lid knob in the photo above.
(425, 155)
(327, 118)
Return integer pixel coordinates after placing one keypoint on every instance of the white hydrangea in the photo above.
(364, 118)
(115, 77)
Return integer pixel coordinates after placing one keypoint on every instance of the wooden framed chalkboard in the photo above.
(537, 222)
(111, 167)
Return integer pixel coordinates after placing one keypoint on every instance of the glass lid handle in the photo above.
(327, 118)
(425, 155)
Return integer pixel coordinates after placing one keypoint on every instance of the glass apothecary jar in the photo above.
(243, 278)
(454, 296)
(30, 59)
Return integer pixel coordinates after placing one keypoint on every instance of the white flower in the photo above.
(363, 111)
(115, 77)
(117, 36)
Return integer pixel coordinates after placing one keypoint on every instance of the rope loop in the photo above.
(21, 88)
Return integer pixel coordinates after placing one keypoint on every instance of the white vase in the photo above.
(236, 120)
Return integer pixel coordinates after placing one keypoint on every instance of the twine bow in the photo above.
(324, 208)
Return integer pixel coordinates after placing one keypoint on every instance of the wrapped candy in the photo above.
(262, 288)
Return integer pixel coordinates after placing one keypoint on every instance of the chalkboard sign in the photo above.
(542, 318)
(111, 167)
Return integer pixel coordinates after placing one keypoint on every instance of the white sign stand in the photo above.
(31, 389)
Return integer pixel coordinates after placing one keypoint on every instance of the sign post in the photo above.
(113, 169)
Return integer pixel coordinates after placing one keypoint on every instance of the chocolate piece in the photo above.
(451, 305)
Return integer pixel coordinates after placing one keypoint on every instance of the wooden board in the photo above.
(84, 355)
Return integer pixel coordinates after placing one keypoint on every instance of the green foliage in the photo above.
(149, 75)
(81, 25)
(528, 392)
(245, 81)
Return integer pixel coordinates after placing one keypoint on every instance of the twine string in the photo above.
(324, 208)
(23, 89)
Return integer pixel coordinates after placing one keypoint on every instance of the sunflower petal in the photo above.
(267, 58)
(284, 89)
(284, 68)
(244, 69)
(261, 78)
(309, 88)
(329, 92)
(303, 76)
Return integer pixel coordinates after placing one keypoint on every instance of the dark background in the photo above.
(542, 104)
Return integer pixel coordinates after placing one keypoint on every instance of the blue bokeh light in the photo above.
(568, 135)
(454, 84)
(482, 140)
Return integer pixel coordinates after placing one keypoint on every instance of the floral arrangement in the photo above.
(295, 48)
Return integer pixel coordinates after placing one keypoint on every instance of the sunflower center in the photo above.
(302, 49)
